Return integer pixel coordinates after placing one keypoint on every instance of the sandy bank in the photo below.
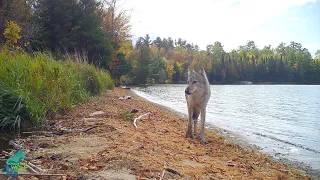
(106, 145)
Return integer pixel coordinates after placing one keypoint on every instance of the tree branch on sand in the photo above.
(136, 119)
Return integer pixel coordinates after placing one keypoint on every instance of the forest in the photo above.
(99, 33)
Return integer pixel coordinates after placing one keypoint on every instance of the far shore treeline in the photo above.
(100, 33)
(97, 34)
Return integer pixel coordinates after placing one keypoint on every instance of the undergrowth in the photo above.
(32, 86)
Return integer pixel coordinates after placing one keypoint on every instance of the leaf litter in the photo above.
(95, 141)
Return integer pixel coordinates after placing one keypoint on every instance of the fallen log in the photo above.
(136, 119)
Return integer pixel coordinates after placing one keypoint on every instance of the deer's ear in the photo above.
(189, 71)
(203, 72)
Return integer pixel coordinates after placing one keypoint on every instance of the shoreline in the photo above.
(97, 141)
(240, 140)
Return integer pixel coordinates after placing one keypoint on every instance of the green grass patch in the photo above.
(33, 86)
(128, 116)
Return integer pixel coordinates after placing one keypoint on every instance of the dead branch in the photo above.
(163, 174)
(15, 145)
(7, 153)
(30, 169)
(136, 119)
(90, 128)
(173, 171)
(34, 132)
(36, 167)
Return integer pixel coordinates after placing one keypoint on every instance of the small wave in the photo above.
(287, 142)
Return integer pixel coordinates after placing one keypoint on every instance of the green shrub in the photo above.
(44, 85)
(128, 116)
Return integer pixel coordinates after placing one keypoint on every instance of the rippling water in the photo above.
(284, 120)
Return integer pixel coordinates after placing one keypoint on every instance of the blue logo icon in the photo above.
(14, 165)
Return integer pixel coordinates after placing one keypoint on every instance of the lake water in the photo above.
(284, 120)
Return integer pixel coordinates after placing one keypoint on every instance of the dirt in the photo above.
(106, 145)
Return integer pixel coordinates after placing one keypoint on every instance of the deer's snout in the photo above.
(187, 92)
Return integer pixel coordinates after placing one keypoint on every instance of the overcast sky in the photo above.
(232, 22)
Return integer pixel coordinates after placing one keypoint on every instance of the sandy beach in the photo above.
(97, 140)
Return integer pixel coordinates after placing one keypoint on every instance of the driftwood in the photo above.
(124, 97)
(90, 128)
(30, 169)
(36, 167)
(136, 119)
(7, 153)
(124, 87)
(171, 171)
(15, 145)
(34, 132)
(163, 173)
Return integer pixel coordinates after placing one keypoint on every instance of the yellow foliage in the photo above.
(170, 71)
(162, 51)
(12, 32)
(194, 63)
(126, 48)
(154, 49)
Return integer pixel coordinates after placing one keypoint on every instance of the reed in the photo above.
(31, 86)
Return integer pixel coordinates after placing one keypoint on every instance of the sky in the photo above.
(232, 22)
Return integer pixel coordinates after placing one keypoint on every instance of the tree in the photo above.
(158, 42)
(177, 73)
(316, 66)
(142, 59)
(157, 66)
(181, 42)
(12, 33)
(143, 41)
(126, 48)
(250, 45)
(317, 54)
(115, 23)
(122, 67)
(285, 63)
(216, 54)
(281, 50)
(71, 26)
(20, 12)
(267, 53)
(296, 46)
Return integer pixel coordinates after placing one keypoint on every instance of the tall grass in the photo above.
(32, 87)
